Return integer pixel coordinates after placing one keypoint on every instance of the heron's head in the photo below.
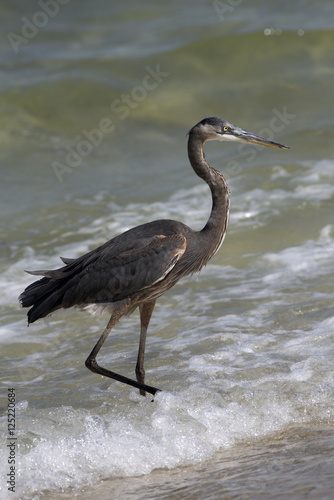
(216, 129)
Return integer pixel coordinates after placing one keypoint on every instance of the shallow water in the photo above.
(299, 460)
(243, 352)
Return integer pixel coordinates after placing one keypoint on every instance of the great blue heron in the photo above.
(133, 269)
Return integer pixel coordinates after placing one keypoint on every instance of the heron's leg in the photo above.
(92, 364)
(146, 310)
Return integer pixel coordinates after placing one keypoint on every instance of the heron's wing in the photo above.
(54, 273)
(66, 260)
(108, 280)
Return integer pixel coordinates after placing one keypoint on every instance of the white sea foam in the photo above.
(68, 447)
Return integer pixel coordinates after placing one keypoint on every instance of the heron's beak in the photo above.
(250, 138)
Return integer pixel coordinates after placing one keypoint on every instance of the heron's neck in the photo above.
(214, 230)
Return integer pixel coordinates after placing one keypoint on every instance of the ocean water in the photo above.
(96, 102)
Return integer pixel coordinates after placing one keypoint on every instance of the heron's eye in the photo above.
(225, 129)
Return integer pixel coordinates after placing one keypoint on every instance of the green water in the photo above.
(96, 100)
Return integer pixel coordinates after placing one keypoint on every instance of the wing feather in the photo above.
(126, 274)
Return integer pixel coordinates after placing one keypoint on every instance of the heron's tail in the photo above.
(45, 295)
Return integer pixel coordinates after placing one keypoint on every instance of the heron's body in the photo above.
(130, 267)
(137, 267)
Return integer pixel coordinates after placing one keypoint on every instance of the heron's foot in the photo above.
(93, 366)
